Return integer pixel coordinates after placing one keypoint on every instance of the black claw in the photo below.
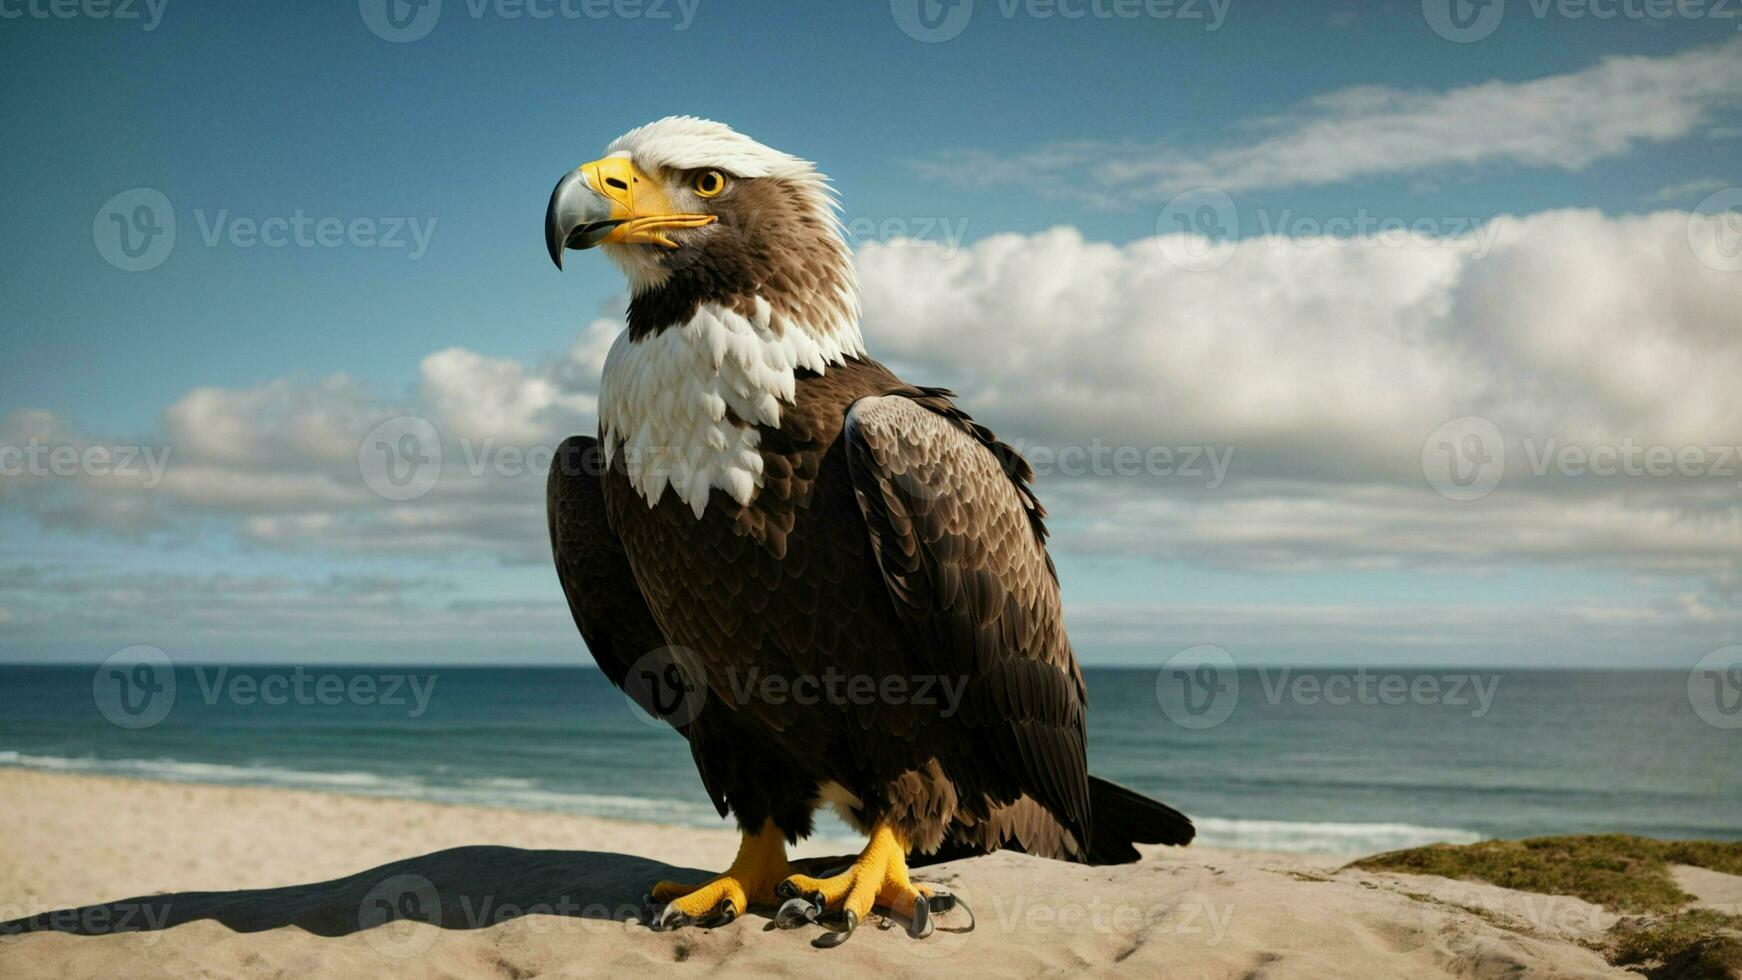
(829, 940)
(795, 912)
(786, 889)
(954, 901)
(671, 918)
(920, 925)
(936, 904)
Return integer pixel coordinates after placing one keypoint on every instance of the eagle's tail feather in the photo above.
(1123, 818)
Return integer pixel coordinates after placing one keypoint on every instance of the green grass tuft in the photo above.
(1627, 875)
(1624, 874)
(1694, 945)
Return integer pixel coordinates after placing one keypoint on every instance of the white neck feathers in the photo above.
(683, 404)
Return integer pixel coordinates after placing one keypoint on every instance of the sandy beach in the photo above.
(150, 879)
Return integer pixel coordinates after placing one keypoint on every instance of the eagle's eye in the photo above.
(709, 183)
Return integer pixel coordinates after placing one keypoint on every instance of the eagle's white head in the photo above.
(739, 278)
(695, 212)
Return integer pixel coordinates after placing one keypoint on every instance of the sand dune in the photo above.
(107, 877)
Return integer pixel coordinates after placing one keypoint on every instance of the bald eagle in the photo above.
(844, 575)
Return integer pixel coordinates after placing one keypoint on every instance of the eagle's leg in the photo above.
(878, 878)
(760, 866)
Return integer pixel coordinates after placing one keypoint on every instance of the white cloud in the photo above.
(493, 398)
(1325, 366)
(1564, 122)
(281, 459)
(1288, 346)
(1576, 325)
(271, 423)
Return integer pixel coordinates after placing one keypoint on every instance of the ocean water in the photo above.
(1309, 760)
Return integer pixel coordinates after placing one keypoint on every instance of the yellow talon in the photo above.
(878, 878)
(760, 865)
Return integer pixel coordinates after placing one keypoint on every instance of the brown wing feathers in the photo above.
(958, 536)
(607, 606)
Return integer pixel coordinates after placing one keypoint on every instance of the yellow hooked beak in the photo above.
(610, 202)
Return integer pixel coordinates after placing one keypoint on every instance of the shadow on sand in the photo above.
(459, 888)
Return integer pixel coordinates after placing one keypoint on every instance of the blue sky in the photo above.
(1018, 125)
